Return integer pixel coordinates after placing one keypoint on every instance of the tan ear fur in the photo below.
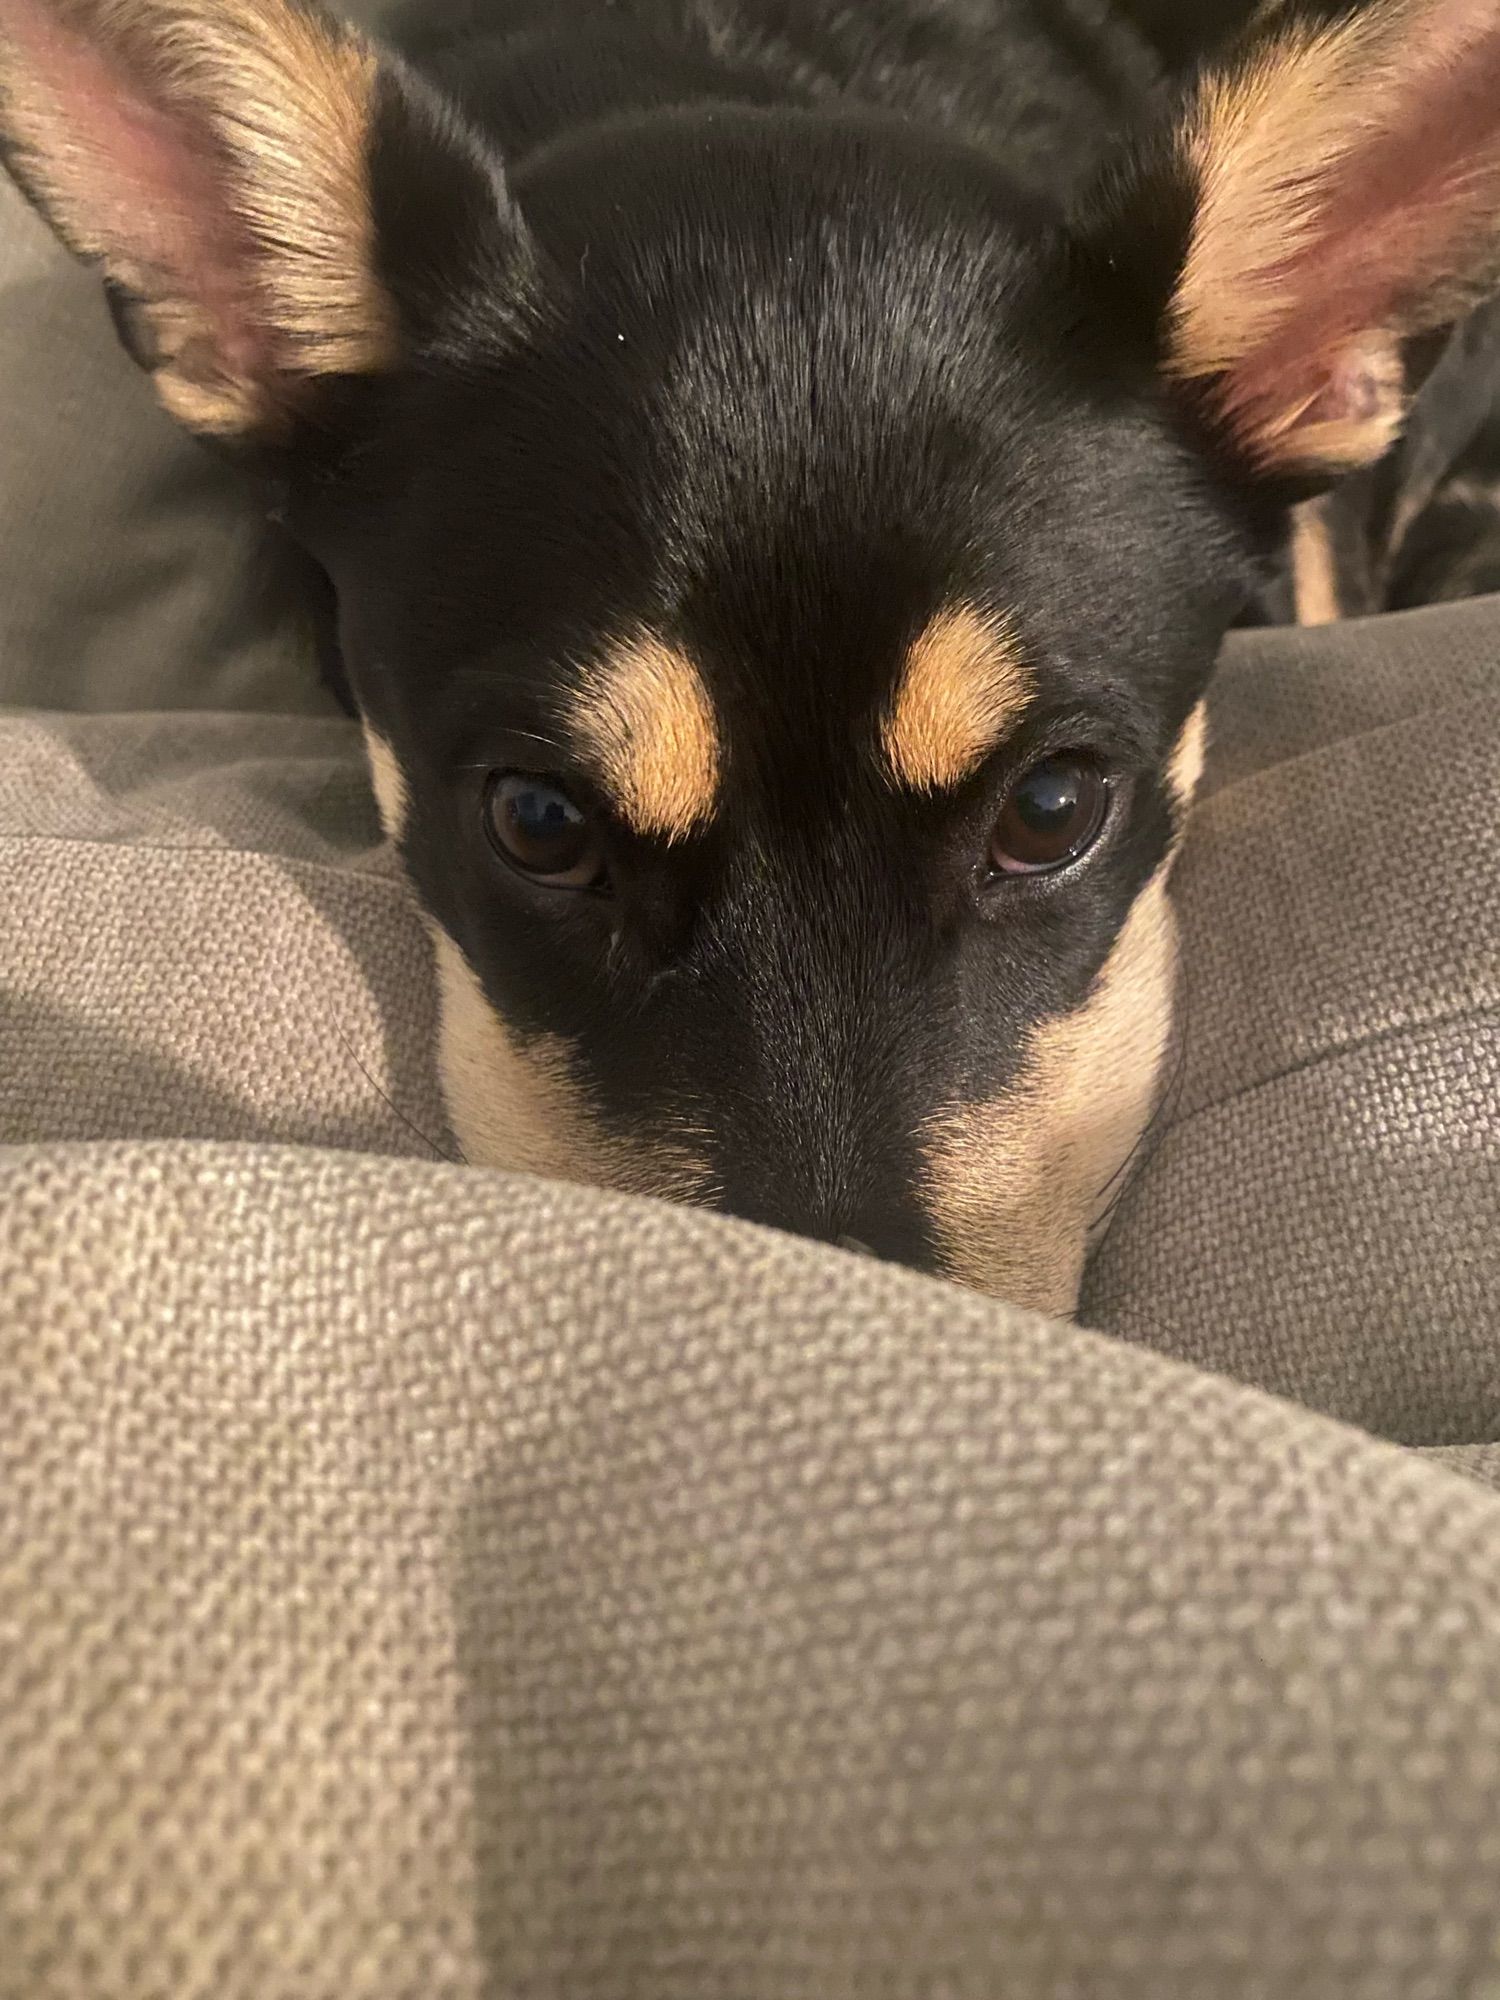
(1347, 197)
(211, 156)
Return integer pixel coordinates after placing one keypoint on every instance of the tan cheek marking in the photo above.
(1315, 583)
(1185, 765)
(963, 688)
(388, 781)
(1014, 1185)
(516, 1105)
(643, 715)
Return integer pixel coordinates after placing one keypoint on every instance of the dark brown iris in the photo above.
(1054, 813)
(542, 832)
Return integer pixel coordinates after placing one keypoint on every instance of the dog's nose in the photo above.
(883, 1245)
(889, 1233)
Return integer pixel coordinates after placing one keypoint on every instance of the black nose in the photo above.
(892, 1234)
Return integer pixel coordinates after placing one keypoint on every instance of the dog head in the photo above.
(779, 570)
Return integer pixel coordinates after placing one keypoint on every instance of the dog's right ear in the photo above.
(276, 203)
(1328, 195)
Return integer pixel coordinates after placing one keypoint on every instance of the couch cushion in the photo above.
(419, 1586)
(200, 935)
(1323, 1214)
(135, 571)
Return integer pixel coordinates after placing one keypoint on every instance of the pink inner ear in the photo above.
(1358, 385)
(1412, 216)
(135, 179)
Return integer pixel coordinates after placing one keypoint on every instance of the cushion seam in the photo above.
(1485, 1010)
(345, 874)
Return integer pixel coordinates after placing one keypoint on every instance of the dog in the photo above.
(784, 472)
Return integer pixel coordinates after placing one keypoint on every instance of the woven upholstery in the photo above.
(419, 1585)
(1323, 1217)
(202, 937)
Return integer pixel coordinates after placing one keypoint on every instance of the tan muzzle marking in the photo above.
(1015, 1184)
(518, 1104)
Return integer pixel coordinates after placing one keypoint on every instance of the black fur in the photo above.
(804, 352)
(798, 322)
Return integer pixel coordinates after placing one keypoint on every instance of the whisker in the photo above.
(547, 743)
(453, 1159)
(1137, 1327)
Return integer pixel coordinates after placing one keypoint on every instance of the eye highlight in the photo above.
(543, 833)
(1052, 816)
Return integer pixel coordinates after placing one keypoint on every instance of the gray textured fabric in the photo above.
(1323, 1215)
(417, 1586)
(201, 936)
(135, 570)
(1474, 1461)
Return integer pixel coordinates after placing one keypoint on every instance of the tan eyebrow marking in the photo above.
(643, 715)
(963, 688)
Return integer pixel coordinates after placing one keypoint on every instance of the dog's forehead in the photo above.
(659, 732)
(794, 506)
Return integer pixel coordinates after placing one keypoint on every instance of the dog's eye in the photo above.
(540, 831)
(1054, 814)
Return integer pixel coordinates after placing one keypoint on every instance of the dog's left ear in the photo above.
(1331, 193)
(275, 203)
